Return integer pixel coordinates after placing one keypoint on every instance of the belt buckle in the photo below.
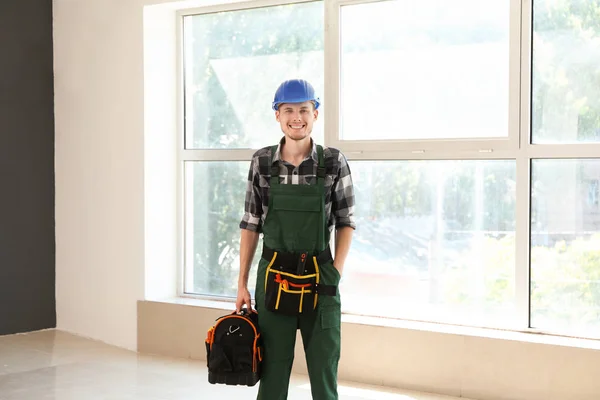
(301, 263)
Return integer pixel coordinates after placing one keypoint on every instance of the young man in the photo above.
(297, 193)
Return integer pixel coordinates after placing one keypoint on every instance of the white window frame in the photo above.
(517, 146)
(184, 155)
(418, 147)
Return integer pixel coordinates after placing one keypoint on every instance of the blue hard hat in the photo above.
(295, 91)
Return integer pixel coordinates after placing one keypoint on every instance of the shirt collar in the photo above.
(313, 154)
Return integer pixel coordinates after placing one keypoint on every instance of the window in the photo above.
(565, 246)
(437, 69)
(472, 131)
(566, 78)
(231, 61)
(212, 210)
(232, 66)
(436, 241)
(565, 224)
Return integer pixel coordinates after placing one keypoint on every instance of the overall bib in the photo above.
(296, 223)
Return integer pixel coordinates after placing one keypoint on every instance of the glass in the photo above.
(435, 241)
(431, 69)
(565, 246)
(214, 205)
(234, 64)
(565, 75)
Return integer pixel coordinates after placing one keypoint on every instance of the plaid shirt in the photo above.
(339, 191)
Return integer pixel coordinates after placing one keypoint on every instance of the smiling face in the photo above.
(296, 119)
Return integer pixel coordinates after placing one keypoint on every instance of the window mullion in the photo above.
(519, 56)
(523, 189)
(522, 242)
(331, 63)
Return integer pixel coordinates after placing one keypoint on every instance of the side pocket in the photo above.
(338, 277)
(208, 341)
(329, 274)
(218, 360)
(207, 352)
(331, 317)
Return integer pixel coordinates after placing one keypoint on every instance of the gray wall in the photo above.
(27, 266)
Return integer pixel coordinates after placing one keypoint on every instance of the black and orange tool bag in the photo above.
(292, 281)
(233, 349)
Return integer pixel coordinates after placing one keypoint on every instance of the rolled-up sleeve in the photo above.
(342, 197)
(251, 219)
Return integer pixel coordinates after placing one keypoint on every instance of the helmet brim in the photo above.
(276, 105)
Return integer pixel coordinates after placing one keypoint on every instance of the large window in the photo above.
(232, 66)
(472, 130)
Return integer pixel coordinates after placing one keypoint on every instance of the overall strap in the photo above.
(274, 168)
(321, 166)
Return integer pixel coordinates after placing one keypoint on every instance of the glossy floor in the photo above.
(55, 365)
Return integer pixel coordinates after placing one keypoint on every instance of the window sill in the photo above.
(518, 336)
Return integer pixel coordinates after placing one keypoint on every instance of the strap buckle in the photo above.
(301, 263)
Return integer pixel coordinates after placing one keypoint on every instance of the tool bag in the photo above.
(292, 281)
(234, 350)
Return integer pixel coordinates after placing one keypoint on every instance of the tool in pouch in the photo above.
(293, 281)
(234, 349)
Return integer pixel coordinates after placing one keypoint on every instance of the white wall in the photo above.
(115, 92)
(98, 64)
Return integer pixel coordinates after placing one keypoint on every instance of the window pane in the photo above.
(565, 246)
(234, 64)
(214, 204)
(435, 241)
(566, 76)
(429, 69)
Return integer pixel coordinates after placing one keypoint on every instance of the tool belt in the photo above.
(292, 281)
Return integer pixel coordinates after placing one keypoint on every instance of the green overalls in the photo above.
(296, 223)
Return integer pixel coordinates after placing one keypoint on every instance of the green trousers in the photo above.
(320, 332)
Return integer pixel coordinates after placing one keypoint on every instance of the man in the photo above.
(297, 193)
